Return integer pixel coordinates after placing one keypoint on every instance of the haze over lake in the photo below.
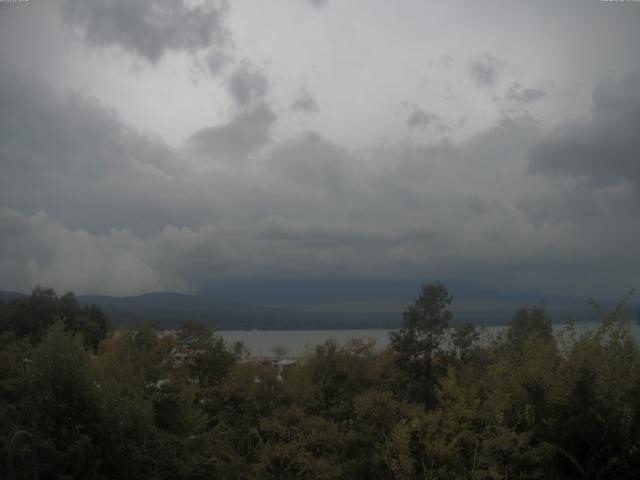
(297, 343)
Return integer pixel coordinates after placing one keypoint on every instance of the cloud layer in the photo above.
(604, 150)
(273, 186)
(147, 28)
(246, 206)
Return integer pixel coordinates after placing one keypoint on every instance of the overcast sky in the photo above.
(171, 144)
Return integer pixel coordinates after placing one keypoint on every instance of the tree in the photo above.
(211, 358)
(338, 374)
(125, 373)
(64, 405)
(280, 351)
(529, 324)
(194, 334)
(30, 317)
(418, 340)
(298, 445)
(463, 339)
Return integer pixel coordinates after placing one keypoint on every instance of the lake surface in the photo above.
(298, 343)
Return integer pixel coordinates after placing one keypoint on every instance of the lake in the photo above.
(300, 342)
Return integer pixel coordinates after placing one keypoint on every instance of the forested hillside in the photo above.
(104, 404)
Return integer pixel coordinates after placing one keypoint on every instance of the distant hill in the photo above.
(170, 309)
(8, 296)
(167, 310)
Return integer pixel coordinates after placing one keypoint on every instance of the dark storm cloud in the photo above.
(524, 96)
(38, 249)
(421, 119)
(305, 103)
(247, 85)
(216, 59)
(307, 205)
(303, 206)
(55, 150)
(314, 164)
(147, 28)
(588, 174)
(91, 203)
(485, 70)
(247, 131)
(603, 150)
(318, 3)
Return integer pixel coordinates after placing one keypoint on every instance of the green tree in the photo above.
(211, 359)
(194, 334)
(418, 341)
(125, 373)
(63, 405)
(280, 351)
(337, 375)
(463, 339)
(213, 362)
(297, 445)
(31, 316)
(529, 324)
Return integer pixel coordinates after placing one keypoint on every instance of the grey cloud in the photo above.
(247, 131)
(485, 70)
(305, 103)
(91, 203)
(216, 59)
(318, 3)
(524, 96)
(604, 150)
(152, 217)
(246, 85)
(421, 119)
(37, 249)
(148, 28)
(305, 207)
(313, 164)
(55, 150)
(588, 186)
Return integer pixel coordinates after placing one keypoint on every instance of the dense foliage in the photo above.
(438, 403)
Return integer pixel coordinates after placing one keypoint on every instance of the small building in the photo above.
(284, 363)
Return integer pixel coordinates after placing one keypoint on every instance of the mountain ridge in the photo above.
(169, 309)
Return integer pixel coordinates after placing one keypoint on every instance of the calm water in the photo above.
(297, 343)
